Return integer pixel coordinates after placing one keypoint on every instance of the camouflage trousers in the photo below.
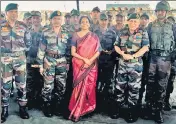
(159, 72)
(128, 82)
(18, 66)
(55, 75)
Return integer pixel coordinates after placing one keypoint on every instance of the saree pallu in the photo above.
(83, 99)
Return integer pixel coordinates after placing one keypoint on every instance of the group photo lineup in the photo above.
(88, 62)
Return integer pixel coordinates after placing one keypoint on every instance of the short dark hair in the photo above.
(84, 16)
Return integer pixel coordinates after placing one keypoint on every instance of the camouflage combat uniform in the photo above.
(129, 75)
(52, 57)
(15, 42)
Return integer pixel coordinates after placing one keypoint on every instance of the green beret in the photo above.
(96, 9)
(11, 6)
(75, 12)
(55, 13)
(103, 16)
(145, 15)
(27, 15)
(67, 15)
(133, 16)
(35, 13)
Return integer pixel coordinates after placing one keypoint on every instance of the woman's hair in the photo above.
(84, 16)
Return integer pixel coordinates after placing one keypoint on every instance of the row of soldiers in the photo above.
(28, 48)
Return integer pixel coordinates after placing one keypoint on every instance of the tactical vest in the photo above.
(162, 37)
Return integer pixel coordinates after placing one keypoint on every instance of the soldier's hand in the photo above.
(127, 56)
(41, 71)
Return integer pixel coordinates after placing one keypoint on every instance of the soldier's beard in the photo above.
(160, 17)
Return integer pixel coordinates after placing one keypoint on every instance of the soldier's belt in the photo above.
(14, 54)
(56, 56)
(132, 60)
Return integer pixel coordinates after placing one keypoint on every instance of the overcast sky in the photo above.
(67, 6)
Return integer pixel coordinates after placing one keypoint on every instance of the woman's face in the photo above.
(85, 24)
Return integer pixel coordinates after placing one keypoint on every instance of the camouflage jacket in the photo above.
(17, 38)
(51, 42)
(132, 43)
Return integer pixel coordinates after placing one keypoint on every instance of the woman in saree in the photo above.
(85, 51)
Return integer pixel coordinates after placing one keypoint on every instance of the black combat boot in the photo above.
(167, 106)
(132, 114)
(115, 111)
(23, 112)
(56, 108)
(147, 114)
(159, 116)
(47, 110)
(4, 114)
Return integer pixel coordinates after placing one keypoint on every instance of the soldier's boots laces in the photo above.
(4, 114)
(47, 110)
(23, 112)
(159, 117)
(167, 106)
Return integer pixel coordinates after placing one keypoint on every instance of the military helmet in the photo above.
(162, 5)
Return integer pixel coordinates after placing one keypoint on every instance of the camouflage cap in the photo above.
(145, 15)
(27, 15)
(11, 6)
(133, 16)
(103, 16)
(67, 15)
(55, 13)
(35, 13)
(75, 12)
(96, 9)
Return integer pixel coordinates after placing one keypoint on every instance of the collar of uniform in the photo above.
(40, 28)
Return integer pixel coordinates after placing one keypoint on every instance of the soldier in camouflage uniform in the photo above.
(53, 64)
(95, 15)
(110, 19)
(170, 86)
(144, 20)
(16, 40)
(34, 79)
(131, 44)
(27, 19)
(75, 20)
(67, 20)
(162, 43)
(106, 62)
